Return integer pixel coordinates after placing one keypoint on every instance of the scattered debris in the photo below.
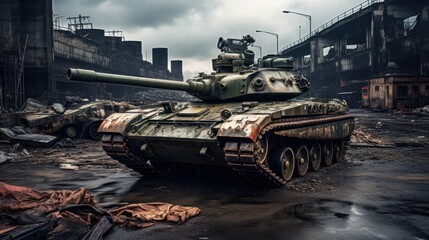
(25, 153)
(4, 157)
(17, 148)
(379, 125)
(58, 108)
(65, 143)
(26, 137)
(363, 139)
(423, 110)
(67, 166)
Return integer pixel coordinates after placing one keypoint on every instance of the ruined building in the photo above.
(35, 54)
(26, 56)
(368, 41)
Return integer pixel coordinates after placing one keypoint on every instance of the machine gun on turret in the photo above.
(235, 55)
(233, 45)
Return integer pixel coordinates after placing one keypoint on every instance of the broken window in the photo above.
(410, 23)
(356, 42)
(351, 47)
(402, 91)
(328, 52)
(307, 60)
(377, 88)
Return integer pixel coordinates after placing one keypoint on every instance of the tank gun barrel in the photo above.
(76, 74)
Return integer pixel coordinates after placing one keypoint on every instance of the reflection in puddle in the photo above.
(336, 217)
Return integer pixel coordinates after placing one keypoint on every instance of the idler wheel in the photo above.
(302, 158)
(315, 157)
(93, 131)
(338, 151)
(283, 162)
(328, 153)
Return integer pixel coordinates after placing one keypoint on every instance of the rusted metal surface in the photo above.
(118, 123)
(336, 130)
(117, 148)
(50, 122)
(58, 120)
(243, 126)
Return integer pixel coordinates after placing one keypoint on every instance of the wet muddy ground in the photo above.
(376, 193)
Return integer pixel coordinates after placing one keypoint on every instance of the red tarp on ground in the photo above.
(16, 200)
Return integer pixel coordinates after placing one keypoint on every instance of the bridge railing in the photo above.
(336, 19)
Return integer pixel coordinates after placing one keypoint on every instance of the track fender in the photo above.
(118, 123)
(243, 126)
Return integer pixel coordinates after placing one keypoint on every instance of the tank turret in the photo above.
(237, 78)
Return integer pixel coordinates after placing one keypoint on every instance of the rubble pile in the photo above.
(25, 136)
(360, 136)
(422, 110)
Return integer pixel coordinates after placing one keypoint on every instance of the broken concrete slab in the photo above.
(25, 137)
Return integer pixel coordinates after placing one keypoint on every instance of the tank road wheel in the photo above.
(302, 158)
(338, 150)
(72, 131)
(283, 162)
(261, 150)
(315, 157)
(327, 153)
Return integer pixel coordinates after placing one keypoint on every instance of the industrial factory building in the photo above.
(35, 52)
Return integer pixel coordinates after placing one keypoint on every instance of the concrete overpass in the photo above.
(373, 39)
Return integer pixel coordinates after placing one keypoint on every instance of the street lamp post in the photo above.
(302, 14)
(273, 34)
(260, 49)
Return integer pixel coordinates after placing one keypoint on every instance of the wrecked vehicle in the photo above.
(80, 119)
(249, 118)
(70, 123)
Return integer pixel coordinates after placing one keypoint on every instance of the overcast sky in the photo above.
(190, 28)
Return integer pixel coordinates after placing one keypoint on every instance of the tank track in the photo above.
(240, 154)
(115, 145)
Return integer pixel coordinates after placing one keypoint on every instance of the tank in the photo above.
(250, 117)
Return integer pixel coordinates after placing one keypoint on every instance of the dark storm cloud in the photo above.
(132, 13)
(190, 28)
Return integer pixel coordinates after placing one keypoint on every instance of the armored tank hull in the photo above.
(267, 142)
